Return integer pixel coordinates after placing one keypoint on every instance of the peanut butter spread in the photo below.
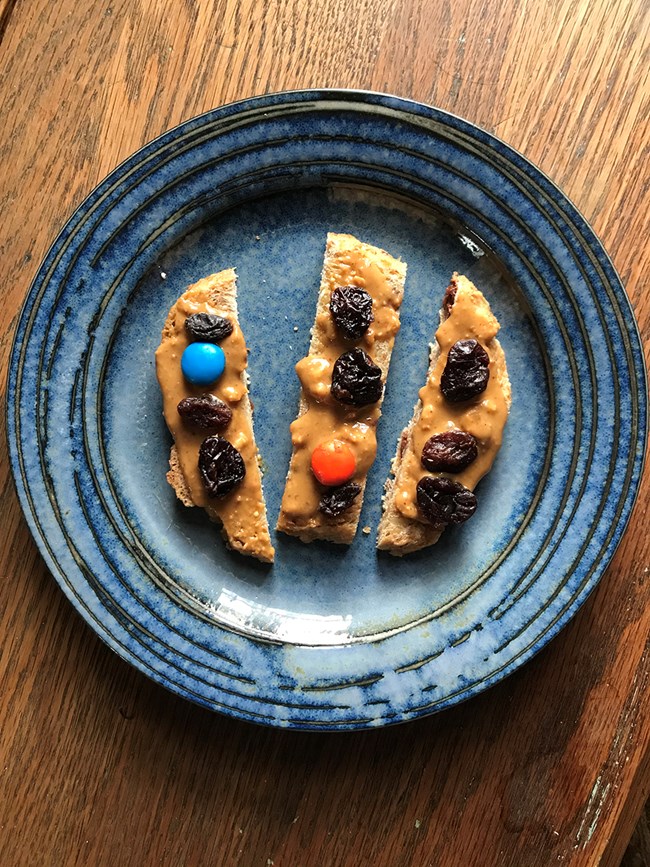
(242, 512)
(484, 417)
(321, 417)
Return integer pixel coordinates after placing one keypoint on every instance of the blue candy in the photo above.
(203, 363)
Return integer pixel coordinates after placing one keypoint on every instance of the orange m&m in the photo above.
(333, 462)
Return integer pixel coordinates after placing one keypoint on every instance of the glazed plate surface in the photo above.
(328, 637)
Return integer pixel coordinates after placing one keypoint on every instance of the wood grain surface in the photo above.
(100, 766)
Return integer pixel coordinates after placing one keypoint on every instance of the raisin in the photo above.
(466, 372)
(449, 452)
(356, 379)
(351, 309)
(207, 327)
(335, 501)
(443, 501)
(450, 297)
(206, 412)
(221, 466)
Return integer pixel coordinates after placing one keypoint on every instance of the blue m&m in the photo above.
(203, 363)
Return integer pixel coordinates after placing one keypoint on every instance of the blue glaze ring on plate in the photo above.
(327, 638)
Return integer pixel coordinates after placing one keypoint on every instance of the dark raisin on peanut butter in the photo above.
(449, 298)
(335, 501)
(449, 452)
(356, 379)
(207, 327)
(443, 501)
(206, 412)
(221, 466)
(466, 372)
(351, 310)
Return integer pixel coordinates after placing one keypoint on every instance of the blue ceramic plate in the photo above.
(326, 638)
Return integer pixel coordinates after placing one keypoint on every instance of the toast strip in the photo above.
(321, 417)
(465, 314)
(242, 513)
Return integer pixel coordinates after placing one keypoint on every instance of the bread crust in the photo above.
(400, 535)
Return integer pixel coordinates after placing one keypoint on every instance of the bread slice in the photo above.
(347, 261)
(403, 530)
(242, 512)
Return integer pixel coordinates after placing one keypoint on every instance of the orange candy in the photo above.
(333, 463)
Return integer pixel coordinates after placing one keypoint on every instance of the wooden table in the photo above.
(100, 766)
